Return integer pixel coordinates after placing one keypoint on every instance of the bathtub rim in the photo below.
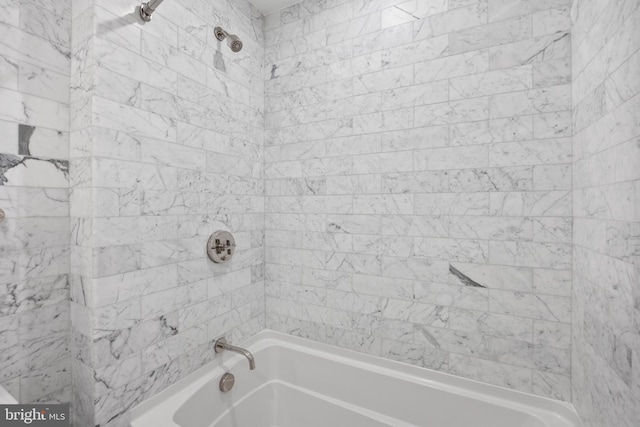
(494, 394)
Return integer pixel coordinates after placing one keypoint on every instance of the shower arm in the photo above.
(147, 9)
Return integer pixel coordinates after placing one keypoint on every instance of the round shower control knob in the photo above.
(221, 246)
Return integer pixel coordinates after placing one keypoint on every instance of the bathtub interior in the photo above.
(300, 383)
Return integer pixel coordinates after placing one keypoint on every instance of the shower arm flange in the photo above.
(147, 9)
(143, 13)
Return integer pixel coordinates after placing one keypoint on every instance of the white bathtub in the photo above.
(301, 383)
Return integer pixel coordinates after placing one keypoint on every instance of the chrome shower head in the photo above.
(233, 41)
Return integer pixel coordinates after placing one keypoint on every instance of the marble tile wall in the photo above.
(34, 179)
(418, 183)
(166, 148)
(606, 261)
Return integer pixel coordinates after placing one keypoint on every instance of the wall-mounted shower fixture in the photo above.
(147, 9)
(221, 246)
(232, 40)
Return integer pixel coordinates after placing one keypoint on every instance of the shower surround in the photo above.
(606, 188)
(166, 148)
(397, 174)
(418, 183)
(35, 45)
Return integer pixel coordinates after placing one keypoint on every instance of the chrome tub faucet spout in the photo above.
(222, 345)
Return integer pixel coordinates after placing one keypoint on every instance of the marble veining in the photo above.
(464, 278)
(409, 200)
(34, 182)
(605, 326)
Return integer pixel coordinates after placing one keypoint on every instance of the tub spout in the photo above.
(222, 345)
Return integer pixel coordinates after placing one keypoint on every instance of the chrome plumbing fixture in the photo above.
(233, 41)
(227, 381)
(147, 9)
(221, 246)
(222, 345)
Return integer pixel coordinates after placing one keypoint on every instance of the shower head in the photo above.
(233, 41)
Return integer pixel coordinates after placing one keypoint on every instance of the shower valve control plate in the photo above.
(221, 246)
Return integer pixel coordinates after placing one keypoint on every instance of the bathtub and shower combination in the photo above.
(301, 383)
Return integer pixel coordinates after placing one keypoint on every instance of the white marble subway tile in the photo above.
(416, 354)
(383, 80)
(497, 81)
(429, 93)
(384, 39)
(134, 284)
(112, 260)
(496, 33)
(459, 111)
(451, 296)
(167, 154)
(42, 82)
(27, 233)
(409, 11)
(551, 385)
(420, 51)
(31, 171)
(32, 294)
(541, 307)
(10, 13)
(551, 21)
(527, 355)
(43, 143)
(502, 9)
(552, 334)
(539, 203)
(131, 120)
(415, 182)
(552, 230)
(425, 137)
(452, 204)
(552, 177)
(494, 373)
(414, 268)
(33, 110)
(552, 73)
(451, 158)
(538, 152)
(39, 383)
(356, 27)
(382, 286)
(492, 179)
(490, 228)
(451, 66)
(353, 184)
(531, 254)
(539, 50)
(174, 346)
(42, 52)
(452, 249)
(552, 282)
(548, 100)
(496, 276)
(122, 61)
(9, 141)
(552, 125)
(8, 73)
(456, 18)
